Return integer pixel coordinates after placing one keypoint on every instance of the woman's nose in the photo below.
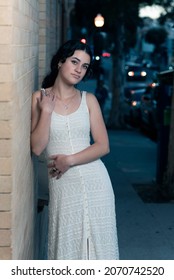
(78, 68)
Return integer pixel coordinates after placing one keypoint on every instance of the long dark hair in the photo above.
(66, 50)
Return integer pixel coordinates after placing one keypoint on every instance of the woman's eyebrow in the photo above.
(74, 57)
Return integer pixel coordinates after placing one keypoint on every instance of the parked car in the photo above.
(148, 110)
(135, 72)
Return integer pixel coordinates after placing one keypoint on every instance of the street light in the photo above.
(99, 20)
(98, 38)
(98, 44)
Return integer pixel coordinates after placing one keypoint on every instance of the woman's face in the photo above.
(74, 68)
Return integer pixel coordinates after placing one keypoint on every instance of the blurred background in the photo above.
(132, 42)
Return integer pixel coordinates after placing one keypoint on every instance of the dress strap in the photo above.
(83, 102)
(83, 95)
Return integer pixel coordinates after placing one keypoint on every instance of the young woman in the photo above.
(82, 222)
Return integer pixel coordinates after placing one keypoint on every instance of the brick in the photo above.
(5, 202)
(6, 73)
(5, 184)
(6, 91)
(42, 6)
(5, 237)
(4, 19)
(5, 130)
(5, 220)
(5, 110)
(6, 34)
(5, 54)
(5, 253)
(5, 2)
(5, 148)
(5, 166)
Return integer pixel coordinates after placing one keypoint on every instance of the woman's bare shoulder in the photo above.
(90, 97)
(36, 93)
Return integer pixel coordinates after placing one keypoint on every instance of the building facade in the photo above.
(31, 31)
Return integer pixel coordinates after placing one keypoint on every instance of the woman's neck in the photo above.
(63, 91)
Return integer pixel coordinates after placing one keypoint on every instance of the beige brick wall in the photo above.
(6, 77)
(18, 77)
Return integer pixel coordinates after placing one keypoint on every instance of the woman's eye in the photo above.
(74, 61)
(85, 67)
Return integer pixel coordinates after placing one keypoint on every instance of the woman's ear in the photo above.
(59, 65)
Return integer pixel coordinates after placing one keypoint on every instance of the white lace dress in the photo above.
(82, 221)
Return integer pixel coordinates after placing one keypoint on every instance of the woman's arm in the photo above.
(42, 107)
(100, 147)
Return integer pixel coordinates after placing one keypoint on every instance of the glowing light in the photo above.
(154, 11)
(83, 40)
(97, 58)
(99, 20)
(106, 54)
(143, 73)
(131, 73)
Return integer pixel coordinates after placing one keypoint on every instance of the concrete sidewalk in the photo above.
(145, 230)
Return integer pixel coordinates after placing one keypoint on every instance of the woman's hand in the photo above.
(46, 102)
(59, 165)
(43, 104)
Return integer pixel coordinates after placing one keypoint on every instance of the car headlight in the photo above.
(143, 73)
(131, 73)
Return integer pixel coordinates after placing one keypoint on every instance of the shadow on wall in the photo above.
(41, 223)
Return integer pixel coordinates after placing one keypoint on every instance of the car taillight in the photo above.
(106, 54)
